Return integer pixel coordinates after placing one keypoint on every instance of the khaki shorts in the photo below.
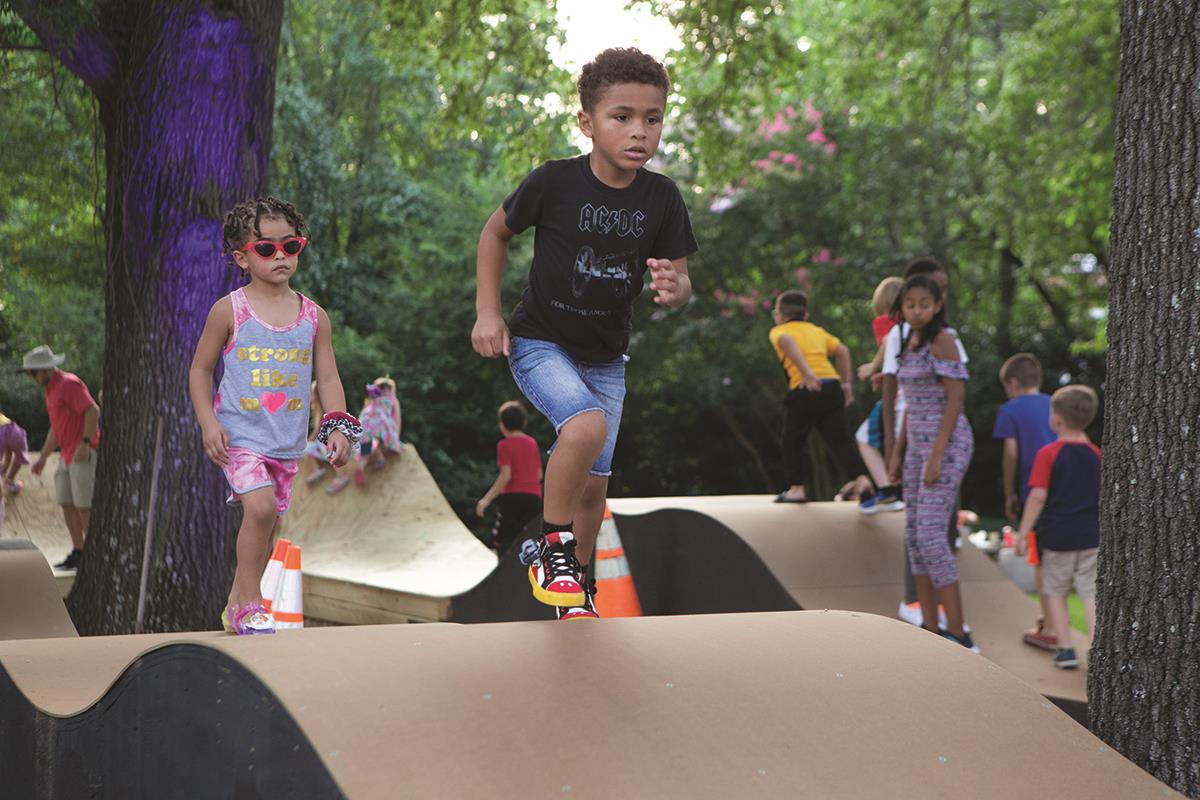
(1062, 567)
(73, 485)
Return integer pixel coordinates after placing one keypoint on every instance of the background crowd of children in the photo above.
(916, 444)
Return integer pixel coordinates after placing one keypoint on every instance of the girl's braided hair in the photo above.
(243, 220)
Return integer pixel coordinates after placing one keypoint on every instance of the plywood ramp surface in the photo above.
(31, 606)
(33, 514)
(788, 705)
(829, 555)
(396, 534)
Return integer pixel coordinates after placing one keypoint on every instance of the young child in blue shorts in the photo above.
(601, 220)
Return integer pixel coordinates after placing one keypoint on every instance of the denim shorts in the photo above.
(561, 387)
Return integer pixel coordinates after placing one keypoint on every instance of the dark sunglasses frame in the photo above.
(265, 248)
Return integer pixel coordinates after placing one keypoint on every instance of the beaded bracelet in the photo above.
(347, 424)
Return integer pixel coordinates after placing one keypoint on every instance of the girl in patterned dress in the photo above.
(937, 444)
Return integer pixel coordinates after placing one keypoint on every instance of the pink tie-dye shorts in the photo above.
(247, 471)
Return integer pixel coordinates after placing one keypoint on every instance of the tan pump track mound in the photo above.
(782, 705)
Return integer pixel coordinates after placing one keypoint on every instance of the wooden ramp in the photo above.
(744, 553)
(31, 605)
(392, 551)
(774, 705)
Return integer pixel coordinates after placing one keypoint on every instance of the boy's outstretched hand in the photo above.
(664, 279)
(490, 336)
(339, 448)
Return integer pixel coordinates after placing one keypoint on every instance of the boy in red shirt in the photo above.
(518, 488)
(1064, 505)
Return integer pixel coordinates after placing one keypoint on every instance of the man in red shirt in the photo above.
(73, 431)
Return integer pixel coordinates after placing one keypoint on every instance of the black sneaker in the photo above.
(965, 640)
(888, 499)
(554, 573)
(71, 562)
(1065, 658)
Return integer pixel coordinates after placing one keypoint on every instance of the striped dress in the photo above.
(920, 376)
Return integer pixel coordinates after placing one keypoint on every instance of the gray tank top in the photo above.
(264, 394)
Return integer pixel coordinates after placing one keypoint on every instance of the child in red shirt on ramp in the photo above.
(1064, 505)
(518, 488)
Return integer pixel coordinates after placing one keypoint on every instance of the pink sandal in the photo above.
(248, 620)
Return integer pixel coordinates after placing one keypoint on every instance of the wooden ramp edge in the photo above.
(781, 705)
(745, 553)
(31, 605)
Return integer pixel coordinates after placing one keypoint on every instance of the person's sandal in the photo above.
(337, 484)
(248, 620)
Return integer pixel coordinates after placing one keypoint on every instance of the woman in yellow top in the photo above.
(818, 394)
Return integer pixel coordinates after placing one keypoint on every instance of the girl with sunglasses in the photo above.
(272, 341)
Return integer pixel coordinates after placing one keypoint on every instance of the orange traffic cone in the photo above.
(616, 595)
(269, 586)
(289, 604)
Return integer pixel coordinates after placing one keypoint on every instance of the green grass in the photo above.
(1074, 611)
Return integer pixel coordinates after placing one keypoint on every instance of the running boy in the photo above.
(270, 339)
(1064, 504)
(601, 219)
(1024, 425)
(517, 490)
(817, 396)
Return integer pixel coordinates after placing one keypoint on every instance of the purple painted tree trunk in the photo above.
(186, 96)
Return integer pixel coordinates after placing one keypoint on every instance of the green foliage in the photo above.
(820, 145)
(51, 248)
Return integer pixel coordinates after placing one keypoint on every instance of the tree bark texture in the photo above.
(1144, 685)
(186, 97)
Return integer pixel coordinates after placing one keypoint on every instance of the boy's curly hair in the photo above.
(243, 220)
(619, 65)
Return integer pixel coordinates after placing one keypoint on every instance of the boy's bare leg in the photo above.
(1089, 610)
(579, 443)
(1037, 584)
(1060, 620)
(259, 518)
(875, 465)
(589, 517)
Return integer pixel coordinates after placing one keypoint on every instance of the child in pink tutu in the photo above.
(380, 418)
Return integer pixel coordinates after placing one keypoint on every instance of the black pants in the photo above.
(513, 512)
(826, 412)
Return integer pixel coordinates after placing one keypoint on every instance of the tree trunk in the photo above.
(1009, 263)
(1144, 686)
(186, 97)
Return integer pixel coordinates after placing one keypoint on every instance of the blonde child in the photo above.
(869, 436)
(1064, 504)
(272, 341)
(380, 418)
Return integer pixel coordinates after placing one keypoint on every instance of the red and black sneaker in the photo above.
(554, 573)
(588, 609)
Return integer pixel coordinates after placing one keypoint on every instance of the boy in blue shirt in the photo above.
(1064, 503)
(1024, 425)
(601, 220)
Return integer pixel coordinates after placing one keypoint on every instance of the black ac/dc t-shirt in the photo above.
(589, 253)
